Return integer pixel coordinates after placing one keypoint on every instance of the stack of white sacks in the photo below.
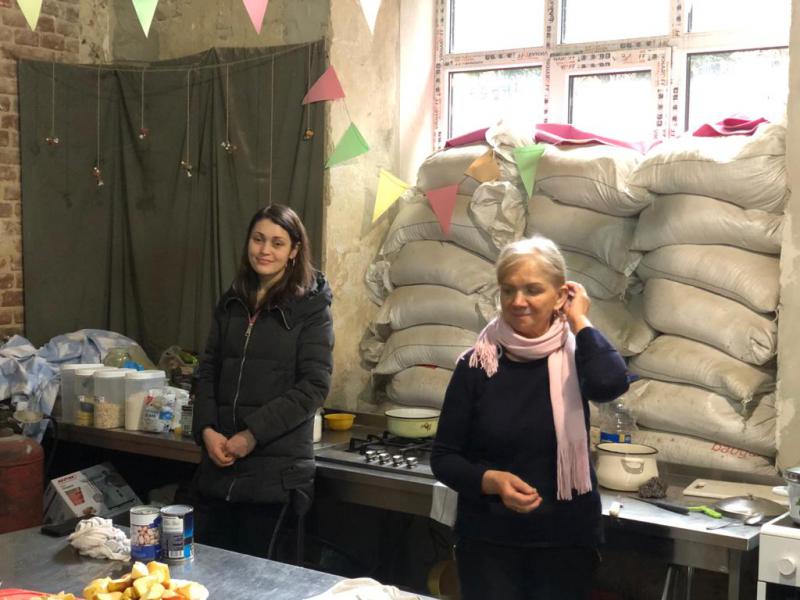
(436, 291)
(711, 244)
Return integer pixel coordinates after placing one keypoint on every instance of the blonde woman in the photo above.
(513, 435)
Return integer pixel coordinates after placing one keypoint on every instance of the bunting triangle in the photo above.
(484, 168)
(145, 9)
(31, 10)
(370, 9)
(390, 188)
(443, 201)
(527, 158)
(256, 10)
(350, 145)
(327, 87)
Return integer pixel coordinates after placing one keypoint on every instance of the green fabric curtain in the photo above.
(149, 252)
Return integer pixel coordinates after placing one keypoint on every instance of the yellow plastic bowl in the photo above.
(339, 421)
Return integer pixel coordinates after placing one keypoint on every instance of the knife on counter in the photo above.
(682, 509)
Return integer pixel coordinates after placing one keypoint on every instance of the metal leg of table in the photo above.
(761, 592)
(689, 576)
(665, 593)
(734, 575)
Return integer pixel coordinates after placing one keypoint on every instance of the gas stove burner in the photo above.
(391, 451)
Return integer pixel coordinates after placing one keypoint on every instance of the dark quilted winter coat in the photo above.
(271, 384)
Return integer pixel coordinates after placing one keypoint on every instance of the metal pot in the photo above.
(745, 507)
(412, 422)
(792, 477)
(625, 467)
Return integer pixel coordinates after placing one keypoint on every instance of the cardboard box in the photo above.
(96, 491)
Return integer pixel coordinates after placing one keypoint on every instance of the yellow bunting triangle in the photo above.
(484, 168)
(390, 188)
(527, 158)
(31, 9)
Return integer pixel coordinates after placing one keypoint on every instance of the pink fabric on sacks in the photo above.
(560, 133)
(558, 345)
(729, 126)
(479, 135)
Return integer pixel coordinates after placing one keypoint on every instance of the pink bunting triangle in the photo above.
(443, 201)
(327, 87)
(256, 10)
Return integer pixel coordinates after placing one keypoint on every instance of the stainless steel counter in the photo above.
(643, 528)
(36, 562)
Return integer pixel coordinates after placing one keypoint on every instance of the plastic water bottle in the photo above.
(618, 423)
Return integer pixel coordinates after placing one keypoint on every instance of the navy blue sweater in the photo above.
(505, 423)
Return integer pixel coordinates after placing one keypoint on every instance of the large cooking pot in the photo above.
(625, 467)
(412, 422)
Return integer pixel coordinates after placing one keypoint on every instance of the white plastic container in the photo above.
(137, 383)
(792, 477)
(84, 380)
(69, 399)
(110, 385)
(318, 426)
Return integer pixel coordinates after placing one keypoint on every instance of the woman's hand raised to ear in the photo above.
(576, 308)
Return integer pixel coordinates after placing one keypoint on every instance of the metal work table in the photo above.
(644, 529)
(36, 562)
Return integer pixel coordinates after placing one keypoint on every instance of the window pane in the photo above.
(719, 15)
(617, 105)
(480, 98)
(496, 25)
(592, 20)
(751, 83)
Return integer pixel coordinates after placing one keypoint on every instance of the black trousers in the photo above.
(245, 528)
(490, 571)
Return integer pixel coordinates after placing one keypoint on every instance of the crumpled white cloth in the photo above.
(97, 537)
(363, 588)
(444, 504)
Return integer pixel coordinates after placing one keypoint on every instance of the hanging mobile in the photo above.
(229, 147)
(96, 172)
(143, 131)
(309, 133)
(52, 139)
(186, 165)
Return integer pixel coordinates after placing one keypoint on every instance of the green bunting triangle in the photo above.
(527, 158)
(351, 144)
(145, 9)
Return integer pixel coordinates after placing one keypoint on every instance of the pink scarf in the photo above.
(558, 345)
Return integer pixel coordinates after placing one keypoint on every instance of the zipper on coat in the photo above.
(230, 489)
(251, 321)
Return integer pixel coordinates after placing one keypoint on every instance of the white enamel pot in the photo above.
(412, 422)
(625, 467)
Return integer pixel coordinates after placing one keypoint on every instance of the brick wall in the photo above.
(57, 37)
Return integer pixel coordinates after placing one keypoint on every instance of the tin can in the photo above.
(145, 533)
(177, 532)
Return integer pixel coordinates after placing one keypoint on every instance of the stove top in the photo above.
(385, 452)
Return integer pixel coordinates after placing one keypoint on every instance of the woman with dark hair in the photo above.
(265, 371)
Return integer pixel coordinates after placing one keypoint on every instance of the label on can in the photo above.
(177, 532)
(145, 533)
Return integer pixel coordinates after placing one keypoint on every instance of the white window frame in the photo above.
(666, 56)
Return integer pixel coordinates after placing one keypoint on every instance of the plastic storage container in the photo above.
(109, 384)
(137, 384)
(69, 399)
(84, 381)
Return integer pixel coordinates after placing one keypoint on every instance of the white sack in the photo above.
(694, 411)
(747, 277)
(437, 345)
(749, 171)
(687, 219)
(605, 237)
(676, 359)
(622, 324)
(600, 281)
(416, 221)
(447, 167)
(500, 209)
(412, 305)
(594, 177)
(439, 263)
(419, 386)
(378, 281)
(695, 452)
(371, 348)
(690, 312)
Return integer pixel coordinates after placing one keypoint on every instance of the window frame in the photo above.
(559, 61)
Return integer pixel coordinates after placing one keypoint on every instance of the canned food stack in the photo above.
(711, 242)
(165, 533)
